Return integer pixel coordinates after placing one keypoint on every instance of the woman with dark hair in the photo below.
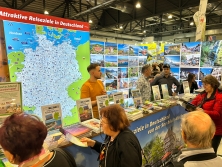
(121, 147)
(192, 83)
(210, 102)
(22, 137)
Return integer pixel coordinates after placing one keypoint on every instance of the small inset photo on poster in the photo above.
(172, 49)
(53, 125)
(96, 58)
(123, 49)
(111, 85)
(216, 72)
(110, 48)
(190, 60)
(110, 61)
(96, 47)
(175, 73)
(184, 72)
(143, 51)
(122, 61)
(123, 83)
(130, 102)
(142, 60)
(132, 82)
(123, 72)
(111, 73)
(133, 61)
(190, 48)
(173, 61)
(133, 72)
(133, 50)
(204, 72)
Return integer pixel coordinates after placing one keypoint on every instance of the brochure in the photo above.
(118, 98)
(165, 91)
(137, 99)
(11, 98)
(156, 92)
(84, 107)
(52, 115)
(186, 87)
(102, 101)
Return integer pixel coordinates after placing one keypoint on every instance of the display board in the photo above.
(49, 56)
(120, 66)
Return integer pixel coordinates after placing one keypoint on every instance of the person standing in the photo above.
(192, 83)
(93, 87)
(143, 83)
(167, 79)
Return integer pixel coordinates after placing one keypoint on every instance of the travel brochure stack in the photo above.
(85, 111)
(133, 114)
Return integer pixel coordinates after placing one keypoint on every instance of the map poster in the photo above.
(102, 101)
(84, 107)
(49, 56)
(165, 91)
(10, 98)
(186, 87)
(118, 98)
(156, 92)
(52, 116)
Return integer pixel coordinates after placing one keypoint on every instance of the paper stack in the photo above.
(78, 130)
(93, 124)
(133, 114)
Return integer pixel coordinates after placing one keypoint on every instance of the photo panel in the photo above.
(184, 72)
(125, 93)
(123, 72)
(122, 61)
(123, 83)
(140, 71)
(190, 48)
(130, 102)
(142, 60)
(175, 72)
(209, 50)
(132, 82)
(96, 47)
(200, 84)
(111, 73)
(172, 49)
(216, 72)
(111, 85)
(173, 61)
(111, 61)
(133, 50)
(110, 48)
(192, 60)
(123, 49)
(103, 71)
(204, 72)
(96, 58)
(133, 61)
(218, 61)
(142, 51)
(133, 72)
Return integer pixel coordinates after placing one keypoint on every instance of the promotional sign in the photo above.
(156, 92)
(165, 91)
(186, 87)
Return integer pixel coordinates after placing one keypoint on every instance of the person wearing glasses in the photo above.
(210, 102)
(22, 137)
(121, 147)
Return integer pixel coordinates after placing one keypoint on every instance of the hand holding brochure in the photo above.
(75, 140)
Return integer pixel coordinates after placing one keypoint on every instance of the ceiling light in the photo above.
(138, 5)
(121, 27)
(46, 12)
(144, 31)
(90, 21)
(191, 23)
(170, 16)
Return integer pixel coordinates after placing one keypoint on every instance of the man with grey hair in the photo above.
(143, 83)
(197, 129)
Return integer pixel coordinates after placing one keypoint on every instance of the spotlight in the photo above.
(191, 23)
(170, 16)
(46, 12)
(121, 27)
(90, 21)
(138, 5)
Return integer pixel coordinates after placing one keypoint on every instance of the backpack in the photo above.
(197, 157)
(70, 159)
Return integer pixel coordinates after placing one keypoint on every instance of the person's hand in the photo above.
(89, 141)
(199, 109)
(103, 92)
(174, 94)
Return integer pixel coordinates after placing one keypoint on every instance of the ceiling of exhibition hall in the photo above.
(122, 17)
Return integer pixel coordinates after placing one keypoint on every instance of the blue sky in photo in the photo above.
(124, 70)
(96, 42)
(173, 58)
(108, 44)
(97, 57)
(206, 71)
(111, 58)
(191, 44)
(123, 47)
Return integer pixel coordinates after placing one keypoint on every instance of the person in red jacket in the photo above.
(210, 102)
